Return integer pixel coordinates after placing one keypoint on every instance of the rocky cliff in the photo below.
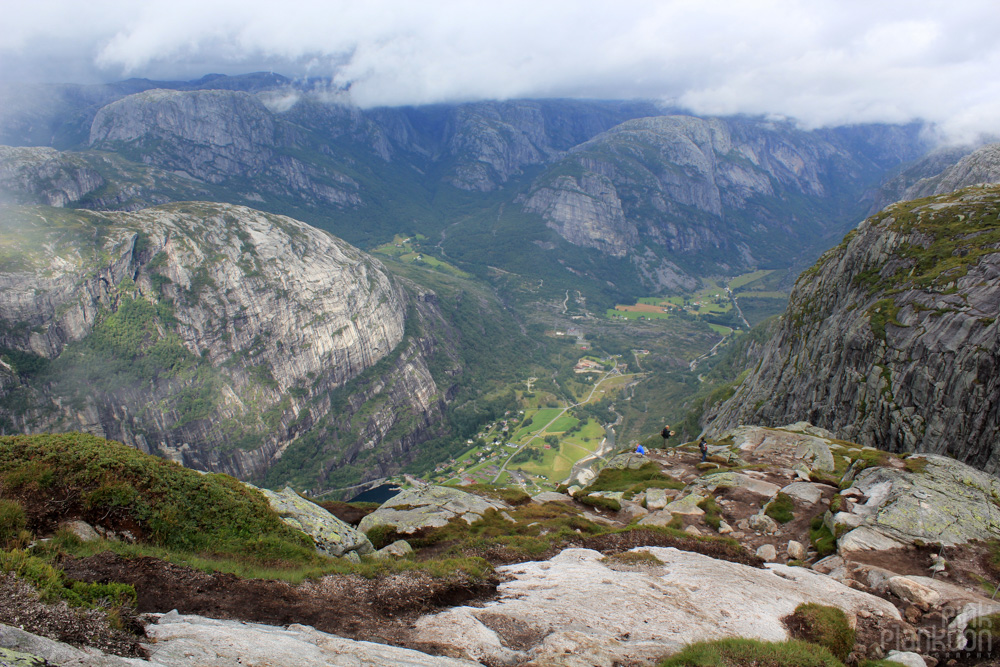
(702, 188)
(891, 339)
(944, 170)
(210, 333)
(219, 136)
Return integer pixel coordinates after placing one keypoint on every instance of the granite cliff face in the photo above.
(218, 136)
(892, 339)
(210, 333)
(699, 187)
(941, 171)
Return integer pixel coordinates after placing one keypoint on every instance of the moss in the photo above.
(510, 496)
(748, 652)
(915, 464)
(632, 558)
(823, 625)
(632, 481)
(599, 502)
(780, 508)
(821, 538)
(881, 313)
(713, 516)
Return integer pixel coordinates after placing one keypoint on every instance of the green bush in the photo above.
(750, 653)
(52, 584)
(823, 625)
(780, 508)
(12, 521)
(163, 503)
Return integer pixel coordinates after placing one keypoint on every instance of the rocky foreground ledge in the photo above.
(900, 544)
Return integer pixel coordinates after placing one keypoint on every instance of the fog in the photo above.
(819, 62)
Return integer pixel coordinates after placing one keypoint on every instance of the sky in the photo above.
(819, 62)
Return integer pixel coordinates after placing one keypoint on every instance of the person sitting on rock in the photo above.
(640, 450)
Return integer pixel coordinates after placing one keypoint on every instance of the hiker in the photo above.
(666, 433)
(640, 450)
(703, 448)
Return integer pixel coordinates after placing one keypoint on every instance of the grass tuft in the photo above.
(780, 508)
(748, 652)
(823, 625)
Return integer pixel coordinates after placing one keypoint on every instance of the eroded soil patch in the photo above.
(350, 606)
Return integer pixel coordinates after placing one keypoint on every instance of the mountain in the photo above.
(215, 335)
(943, 170)
(615, 198)
(711, 194)
(891, 339)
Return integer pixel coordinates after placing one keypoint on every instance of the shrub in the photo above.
(52, 584)
(163, 503)
(780, 508)
(747, 652)
(12, 521)
(823, 625)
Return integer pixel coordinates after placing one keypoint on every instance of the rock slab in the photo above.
(429, 507)
(642, 615)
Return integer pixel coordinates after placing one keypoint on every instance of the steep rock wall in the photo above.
(892, 339)
(210, 333)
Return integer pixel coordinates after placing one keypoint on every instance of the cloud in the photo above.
(822, 62)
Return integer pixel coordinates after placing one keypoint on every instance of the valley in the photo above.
(233, 310)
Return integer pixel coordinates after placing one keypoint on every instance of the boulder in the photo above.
(762, 523)
(688, 505)
(629, 460)
(656, 499)
(81, 529)
(866, 539)
(429, 507)
(660, 518)
(796, 550)
(946, 502)
(29, 650)
(9, 658)
(806, 492)
(643, 613)
(724, 528)
(736, 479)
(813, 452)
(551, 497)
(332, 536)
(913, 591)
(182, 641)
(908, 658)
(397, 549)
(767, 552)
(828, 564)
(631, 511)
(692, 530)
